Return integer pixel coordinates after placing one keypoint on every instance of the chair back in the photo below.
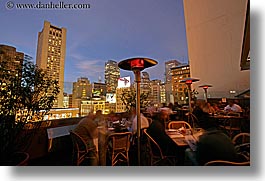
(241, 138)
(226, 163)
(119, 145)
(80, 149)
(179, 124)
(78, 142)
(232, 126)
(153, 148)
(242, 144)
(120, 141)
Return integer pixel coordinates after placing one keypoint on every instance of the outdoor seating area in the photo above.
(117, 146)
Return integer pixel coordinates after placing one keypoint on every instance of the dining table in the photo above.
(184, 141)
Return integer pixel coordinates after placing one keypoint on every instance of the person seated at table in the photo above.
(157, 131)
(87, 129)
(232, 107)
(144, 121)
(211, 109)
(216, 108)
(213, 144)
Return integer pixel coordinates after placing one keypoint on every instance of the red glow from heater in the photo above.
(188, 81)
(137, 63)
(205, 87)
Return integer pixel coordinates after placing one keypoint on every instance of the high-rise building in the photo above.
(168, 65)
(112, 74)
(162, 93)
(168, 79)
(51, 55)
(155, 92)
(82, 90)
(12, 58)
(179, 89)
(145, 83)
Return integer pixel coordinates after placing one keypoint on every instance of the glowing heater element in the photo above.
(137, 63)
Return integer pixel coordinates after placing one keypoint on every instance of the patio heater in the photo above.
(188, 81)
(205, 88)
(137, 65)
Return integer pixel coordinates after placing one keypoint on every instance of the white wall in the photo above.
(215, 31)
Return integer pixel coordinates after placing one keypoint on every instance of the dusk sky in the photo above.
(108, 30)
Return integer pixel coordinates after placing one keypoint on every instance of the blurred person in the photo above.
(87, 129)
(213, 144)
(216, 108)
(144, 121)
(211, 108)
(157, 131)
(232, 107)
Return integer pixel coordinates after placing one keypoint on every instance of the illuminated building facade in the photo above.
(82, 90)
(179, 73)
(168, 79)
(51, 55)
(112, 74)
(155, 92)
(13, 59)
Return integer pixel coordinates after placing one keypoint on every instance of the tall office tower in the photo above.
(82, 90)
(12, 58)
(112, 74)
(155, 92)
(168, 79)
(168, 65)
(145, 83)
(179, 73)
(51, 55)
(162, 93)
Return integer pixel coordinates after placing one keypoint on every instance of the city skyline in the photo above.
(106, 31)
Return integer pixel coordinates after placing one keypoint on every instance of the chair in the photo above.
(226, 163)
(242, 144)
(156, 155)
(179, 124)
(80, 150)
(232, 126)
(241, 138)
(118, 147)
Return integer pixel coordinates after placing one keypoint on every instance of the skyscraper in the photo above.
(179, 89)
(168, 77)
(168, 65)
(112, 74)
(51, 55)
(145, 83)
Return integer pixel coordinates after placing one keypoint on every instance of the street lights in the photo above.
(205, 87)
(137, 65)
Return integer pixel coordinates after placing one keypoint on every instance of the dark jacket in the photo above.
(215, 145)
(157, 131)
